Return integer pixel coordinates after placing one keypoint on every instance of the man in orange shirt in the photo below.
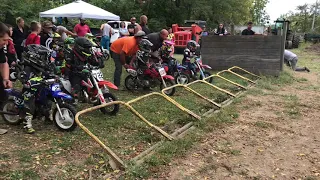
(121, 49)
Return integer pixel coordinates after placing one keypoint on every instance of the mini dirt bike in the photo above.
(149, 78)
(201, 68)
(63, 113)
(174, 68)
(94, 89)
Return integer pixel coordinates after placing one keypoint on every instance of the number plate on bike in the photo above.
(162, 72)
(97, 74)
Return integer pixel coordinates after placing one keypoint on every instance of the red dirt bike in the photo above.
(149, 77)
(94, 89)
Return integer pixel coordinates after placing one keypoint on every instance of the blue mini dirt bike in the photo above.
(50, 91)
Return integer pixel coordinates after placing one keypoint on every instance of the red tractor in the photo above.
(184, 34)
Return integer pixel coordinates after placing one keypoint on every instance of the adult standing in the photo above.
(123, 30)
(157, 40)
(64, 33)
(82, 28)
(46, 34)
(132, 26)
(249, 30)
(143, 24)
(221, 30)
(4, 67)
(121, 49)
(19, 35)
(106, 30)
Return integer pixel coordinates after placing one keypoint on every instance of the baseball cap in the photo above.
(47, 24)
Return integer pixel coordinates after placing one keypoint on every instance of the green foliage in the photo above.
(259, 15)
(161, 13)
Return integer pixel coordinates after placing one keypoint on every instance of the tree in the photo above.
(259, 14)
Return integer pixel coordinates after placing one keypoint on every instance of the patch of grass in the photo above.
(4, 156)
(292, 106)
(208, 167)
(262, 124)
(311, 178)
(23, 174)
(25, 156)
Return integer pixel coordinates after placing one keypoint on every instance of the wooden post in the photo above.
(232, 30)
(283, 43)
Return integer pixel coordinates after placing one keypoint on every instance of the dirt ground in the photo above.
(275, 137)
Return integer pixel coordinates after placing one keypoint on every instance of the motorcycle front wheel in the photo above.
(67, 122)
(110, 110)
(129, 82)
(207, 74)
(182, 78)
(169, 83)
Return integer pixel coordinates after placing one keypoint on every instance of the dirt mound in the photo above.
(314, 48)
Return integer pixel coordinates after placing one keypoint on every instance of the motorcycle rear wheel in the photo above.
(9, 106)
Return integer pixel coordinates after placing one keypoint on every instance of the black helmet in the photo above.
(145, 45)
(192, 45)
(83, 46)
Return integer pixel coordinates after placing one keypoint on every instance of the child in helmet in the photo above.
(188, 54)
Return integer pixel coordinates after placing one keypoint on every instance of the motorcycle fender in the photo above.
(168, 77)
(107, 83)
(206, 66)
(66, 85)
(61, 95)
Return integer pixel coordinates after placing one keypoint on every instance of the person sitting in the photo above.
(221, 30)
(291, 60)
(249, 30)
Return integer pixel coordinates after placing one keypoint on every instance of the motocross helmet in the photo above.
(82, 47)
(69, 40)
(192, 45)
(91, 37)
(145, 45)
(166, 49)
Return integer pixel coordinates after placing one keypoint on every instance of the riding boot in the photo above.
(28, 123)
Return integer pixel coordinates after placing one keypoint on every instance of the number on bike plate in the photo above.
(98, 75)
(162, 72)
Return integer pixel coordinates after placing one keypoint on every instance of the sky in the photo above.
(277, 7)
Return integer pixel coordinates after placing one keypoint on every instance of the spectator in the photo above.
(106, 30)
(46, 33)
(82, 28)
(249, 30)
(143, 24)
(34, 37)
(204, 31)
(123, 30)
(132, 26)
(291, 60)
(121, 49)
(221, 31)
(157, 40)
(19, 35)
(64, 33)
(4, 67)
(10, 50)
(171, 38)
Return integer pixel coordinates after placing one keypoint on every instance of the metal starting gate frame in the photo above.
(115, 161)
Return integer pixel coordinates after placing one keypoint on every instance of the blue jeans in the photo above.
(105, 42)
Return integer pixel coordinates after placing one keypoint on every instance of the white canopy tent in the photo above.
(80, 9)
